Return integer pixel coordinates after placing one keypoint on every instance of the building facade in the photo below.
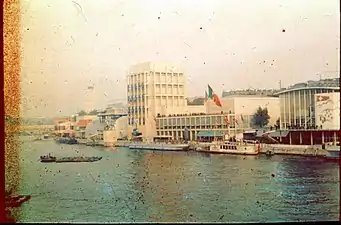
(245, 106)
(297, 103)
(327, 111)
(175, 125)
(154, 88)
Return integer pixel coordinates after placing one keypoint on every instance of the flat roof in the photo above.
(307, 88)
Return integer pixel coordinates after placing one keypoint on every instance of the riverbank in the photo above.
(302, 150)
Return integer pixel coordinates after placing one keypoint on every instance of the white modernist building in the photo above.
(297, 103)
(154, 88)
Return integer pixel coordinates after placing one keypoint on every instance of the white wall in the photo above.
(327, 112)
(121, 127)
(247, 105)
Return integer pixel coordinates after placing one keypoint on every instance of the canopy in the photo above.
(209, 133)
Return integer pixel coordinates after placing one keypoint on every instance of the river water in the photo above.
(138, 186)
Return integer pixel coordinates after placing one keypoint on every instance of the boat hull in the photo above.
(47, 160)
(160, 147)
(72, 160)
(234, 149)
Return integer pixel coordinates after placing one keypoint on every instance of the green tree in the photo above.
(261, 117)
(82, 113)
(93, 112)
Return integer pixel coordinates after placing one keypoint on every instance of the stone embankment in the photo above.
(277, 149)
(304, 150)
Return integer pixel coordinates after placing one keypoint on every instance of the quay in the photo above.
(277, 149)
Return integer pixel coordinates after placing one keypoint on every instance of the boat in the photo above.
(78, 159)
(47, 158)
(160, 146)
(70, 141)
(333, 150)
(270, 153)
(236, 147)
(46, 136)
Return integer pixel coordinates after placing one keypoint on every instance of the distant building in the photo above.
(251, 92)
(297, 103)
(215, 125)
(109, 126)
(81, 127)
(65, 129)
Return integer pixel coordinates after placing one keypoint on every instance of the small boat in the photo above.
(236, 147)
(333, 150)
(47, 158)
(46, 136)
(70, 141)
(78, 159)
(270, 153)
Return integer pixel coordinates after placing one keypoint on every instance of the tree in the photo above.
(82, 113)
(261, 117)
(93, 112)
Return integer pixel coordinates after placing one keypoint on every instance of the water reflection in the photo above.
(306, 183)
(130, 185)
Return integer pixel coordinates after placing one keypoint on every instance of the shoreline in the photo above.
(278, 149)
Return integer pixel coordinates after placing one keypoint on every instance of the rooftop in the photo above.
(332, 83)
(251, 92)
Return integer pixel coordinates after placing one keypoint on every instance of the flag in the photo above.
(321, 98)
(206, 96)
(216, 100)
(236, 121)
(213, 96)
(210, 92)
(226, 120)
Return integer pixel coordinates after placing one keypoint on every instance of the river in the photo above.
(138, 186)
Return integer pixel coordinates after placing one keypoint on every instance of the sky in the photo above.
(68, 46)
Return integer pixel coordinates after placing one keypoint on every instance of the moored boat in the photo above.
(160, 146)
(78, 159)
(333, 150)
(235, 147)
(70, 141)
(47, 158)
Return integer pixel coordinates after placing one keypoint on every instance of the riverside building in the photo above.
(152, 89)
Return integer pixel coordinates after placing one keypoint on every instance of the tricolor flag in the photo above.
(206, 96)
(213, 96)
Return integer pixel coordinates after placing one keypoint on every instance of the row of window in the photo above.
(138, 98)
(136, 87)
(132, 110)
(214, 120)
(135, 121)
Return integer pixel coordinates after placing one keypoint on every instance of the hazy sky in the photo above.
(69, 45)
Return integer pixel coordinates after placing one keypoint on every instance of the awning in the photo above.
(209, 133)
(283, 133)
(163, 136)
